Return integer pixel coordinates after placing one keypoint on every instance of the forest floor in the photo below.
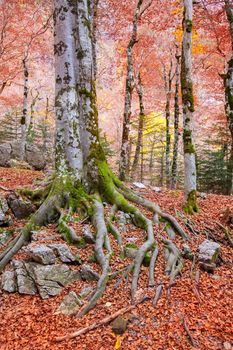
(30, 323)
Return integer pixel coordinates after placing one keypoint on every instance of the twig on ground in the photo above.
(102, 322)
(192, 340)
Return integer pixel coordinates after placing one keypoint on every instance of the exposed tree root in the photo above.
(112, 228)
(125, 274)
(131, 196)
(103, 259)
(227, 234)
(65, 194)
(152, 266)
(158, 293)
(140, 256)
(174, 260)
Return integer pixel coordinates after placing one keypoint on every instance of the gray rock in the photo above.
(156, 189)
(3, 204)
(4, 237)
(33, 278)
(202, 195)
(35, 157)
(41, 236)
(87, 234)
(19, 164)
(139, 185)
(187, 252)
(123, 218)
(85, 292)
(42, 254)
(63, 251)
(130, 251)
(208, 255)
(5, 154)
(70, 304)
(208, 251)
(5, 220)
(25, 278)
(88, 274)
(21, 208)
(131, 239)
(52, 278)
(11, 151)
(8, 283)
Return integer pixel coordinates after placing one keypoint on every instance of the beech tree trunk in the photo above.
(46, 132)
(138, 149)
(77, 135)
(190, 177)
(24, 118)
(176, 125)
(168, 86)
(228, 84)
(124, 155)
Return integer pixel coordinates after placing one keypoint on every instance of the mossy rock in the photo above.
(130, 250)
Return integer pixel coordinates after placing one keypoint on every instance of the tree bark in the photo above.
(138, 150)
(46, 132)
(190, 177)
(124, 158)
(228, 84)
(176, 125)
(168, 86)
(24, 118)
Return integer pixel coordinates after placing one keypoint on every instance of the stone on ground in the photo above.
(8, 283)
(5, 220)
(208, 255)
(42, 254)
(70, 304)
(63, 252)
(20, 208)
(32, 278)
(88, 274)
(119, 325)
(87, 234)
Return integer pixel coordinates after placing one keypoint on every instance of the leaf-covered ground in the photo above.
(29, 323)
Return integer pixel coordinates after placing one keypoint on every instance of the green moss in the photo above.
(147, 259)
(189, 25)
(187, 140)
(191, 207)
(131, 245)
(188, 97)
(92, 258)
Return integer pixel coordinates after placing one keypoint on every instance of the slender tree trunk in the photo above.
(168, 86)
(176, 125)
(151, 163)
(124, 158)
(162, 169)
(31, 122)
(142, 164)
(190, 177)
(46, 133)
(24, 118)
(138, 149)
(228, 84)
